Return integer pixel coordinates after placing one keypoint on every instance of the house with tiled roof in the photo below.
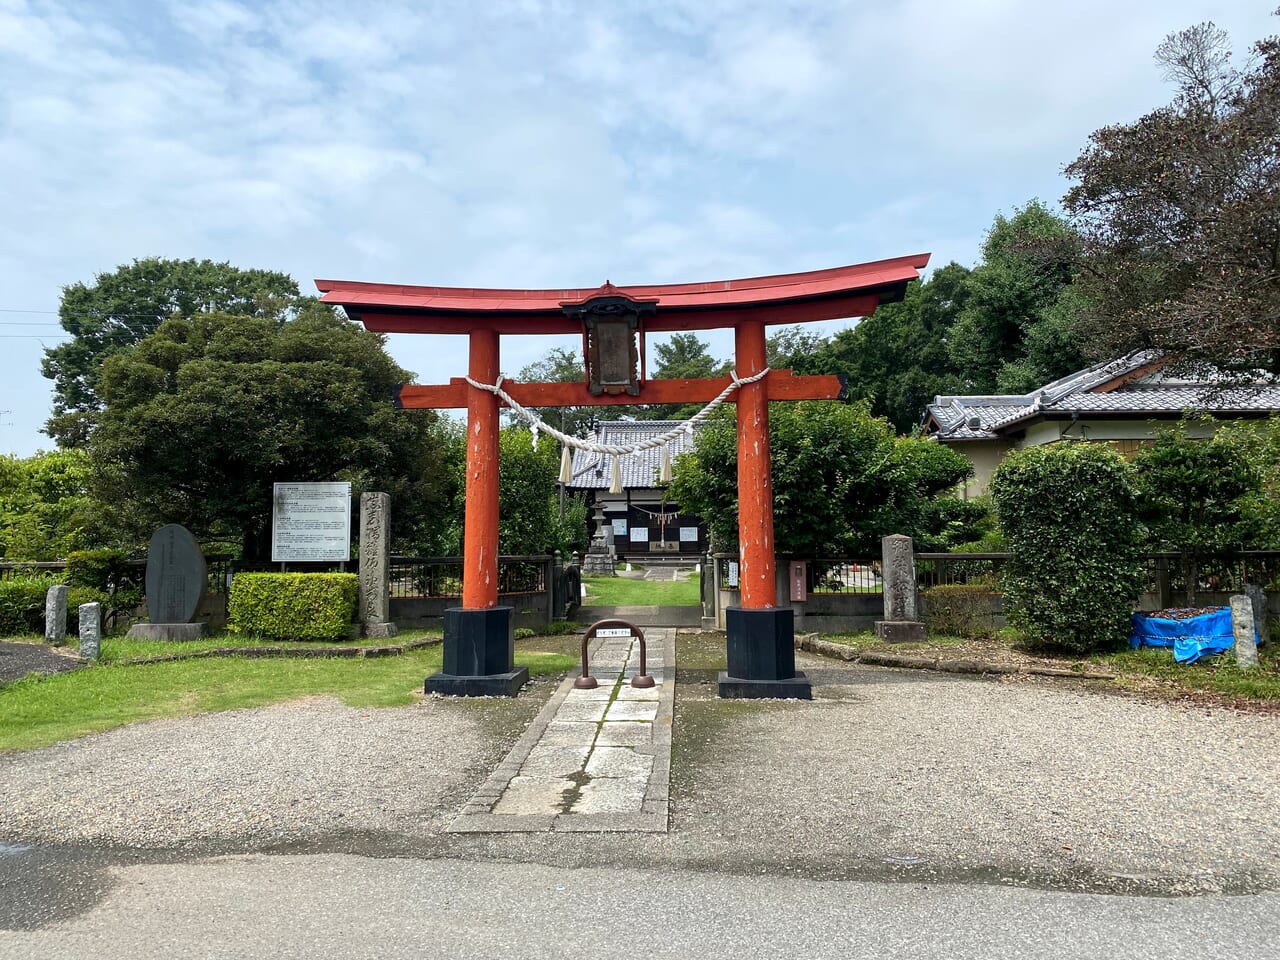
(638, 519)
(1123, 402)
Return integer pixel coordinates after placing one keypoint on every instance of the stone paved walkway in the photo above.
(593, 760)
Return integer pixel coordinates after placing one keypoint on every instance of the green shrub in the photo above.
(109, 574)
(960, 609)
(293, 606)
(22, 604)
(1069, 512)
(524, 633)
(560, 627)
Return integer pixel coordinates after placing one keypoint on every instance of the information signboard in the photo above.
(311, 521)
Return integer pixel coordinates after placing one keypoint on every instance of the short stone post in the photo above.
(1242, 628)
(1258, 597)
(90, 630)
(55, 615)
(375, 565)
(901, 623)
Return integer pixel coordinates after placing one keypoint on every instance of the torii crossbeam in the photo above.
(613, 321)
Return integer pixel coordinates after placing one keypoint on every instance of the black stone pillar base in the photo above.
(761, 656)
(479, 655)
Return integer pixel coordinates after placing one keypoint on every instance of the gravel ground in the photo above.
(887, 774)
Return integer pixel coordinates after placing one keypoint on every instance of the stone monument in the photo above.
(177, 578)
(90, 630)
(375, 565)
(901, 623)
(55, 615)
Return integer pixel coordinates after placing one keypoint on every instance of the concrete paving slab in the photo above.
(555, 761)
(624, 733)
(533, 795)
(632, 710)
(619, 762)
(612, 796)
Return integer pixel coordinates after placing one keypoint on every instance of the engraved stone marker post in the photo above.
(90, 630)
(177, 578)
(1242, 628)
(55, 615)
(375, 565)
(901, 623)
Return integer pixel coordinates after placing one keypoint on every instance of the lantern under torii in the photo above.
(613, 322)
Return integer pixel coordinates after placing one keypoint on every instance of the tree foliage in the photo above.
(841, 480)
(684, 356)
(1069, 512)
(120, 309)
(1179, 213)
(1193, 498)
(204, 415)
(46, 510)
(1008, 325)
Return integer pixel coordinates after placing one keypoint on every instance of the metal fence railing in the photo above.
(949, 569)
(420, 577)
(847, 575)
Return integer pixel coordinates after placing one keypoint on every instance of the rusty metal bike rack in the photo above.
(641, 680)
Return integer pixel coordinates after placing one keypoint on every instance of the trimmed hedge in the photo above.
(960, 609)
(293, 606)
(1069, 511)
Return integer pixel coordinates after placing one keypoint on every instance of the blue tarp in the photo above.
(1191, 639)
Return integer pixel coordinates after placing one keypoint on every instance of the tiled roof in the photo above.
(639, 470)
(1152, 394)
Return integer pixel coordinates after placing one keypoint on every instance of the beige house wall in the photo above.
(985, 455)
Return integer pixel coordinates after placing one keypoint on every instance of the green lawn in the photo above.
(623, 591)
(37, 711)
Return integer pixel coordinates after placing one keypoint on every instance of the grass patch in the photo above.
(38, 711)
(624, 591)
(1218, 675)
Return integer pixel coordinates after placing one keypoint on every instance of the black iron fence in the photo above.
(414, 577)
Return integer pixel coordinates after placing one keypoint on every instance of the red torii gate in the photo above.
(479, 646)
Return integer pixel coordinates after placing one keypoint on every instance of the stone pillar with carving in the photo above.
(901, 623)
(375, 565)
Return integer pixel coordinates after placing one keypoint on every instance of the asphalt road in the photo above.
(347, 906)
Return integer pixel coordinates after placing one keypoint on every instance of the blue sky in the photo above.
(541, 144)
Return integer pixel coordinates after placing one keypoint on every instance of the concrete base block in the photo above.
(492, 685)
(380, 631)
(797, 687)
(900, 631)
(168, 631)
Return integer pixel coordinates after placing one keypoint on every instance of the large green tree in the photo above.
(205, 414)
(841, 480)
(46, 510)
(121, 308)
(1016, 329)
(897, 358)
(1180, 212)
(684, 356)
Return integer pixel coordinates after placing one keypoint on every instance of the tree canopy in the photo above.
(1179, 212)
(46, 510)
(206, 413)
(121, 308)
(841, 481)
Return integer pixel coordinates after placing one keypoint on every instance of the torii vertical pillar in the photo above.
(760, 638)
(479, 636)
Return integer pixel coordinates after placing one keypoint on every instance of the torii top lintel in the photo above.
(837, 293)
